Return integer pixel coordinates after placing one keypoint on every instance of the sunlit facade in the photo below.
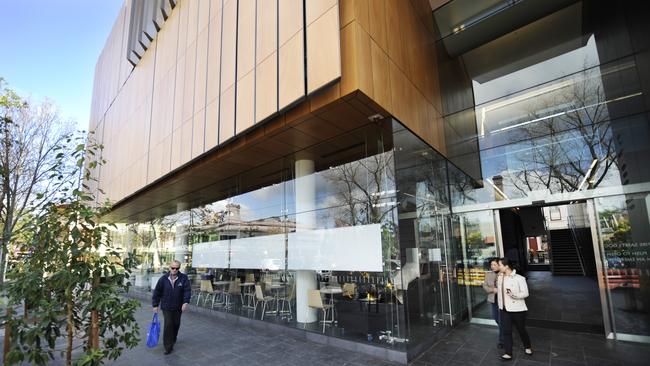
(367, 202)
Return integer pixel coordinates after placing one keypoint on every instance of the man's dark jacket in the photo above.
(172, 298)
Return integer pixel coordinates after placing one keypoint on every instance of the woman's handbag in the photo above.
(154, 332)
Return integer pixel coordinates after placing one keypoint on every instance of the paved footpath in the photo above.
(206, 340)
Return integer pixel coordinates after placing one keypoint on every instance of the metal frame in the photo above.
(632, 338)
(463, 245)
(557, 198)
(499, 252)
(601, 271)
(497, 232)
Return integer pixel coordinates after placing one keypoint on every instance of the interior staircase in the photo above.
(565, 260)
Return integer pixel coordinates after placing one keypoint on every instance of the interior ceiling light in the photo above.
(375, 117)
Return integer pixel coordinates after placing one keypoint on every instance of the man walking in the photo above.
(173, 293)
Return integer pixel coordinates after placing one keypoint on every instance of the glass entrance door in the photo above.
(431, 237)
(477, 235)
(623, 224)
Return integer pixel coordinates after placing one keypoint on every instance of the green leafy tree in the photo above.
(71, 280)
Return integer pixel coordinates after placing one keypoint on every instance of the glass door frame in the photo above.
(601, 270)
(609, 318)
(599, 254)
(445, 312)
(498, 246)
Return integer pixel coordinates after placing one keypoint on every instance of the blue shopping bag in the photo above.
(154, 332)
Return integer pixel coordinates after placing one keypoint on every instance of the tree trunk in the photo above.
(93, 340)
(94, 330)
(6, 237)
(6, 197)
(70, 327)
(7, 340)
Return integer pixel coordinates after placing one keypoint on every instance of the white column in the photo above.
(305, 220)
(181, 249)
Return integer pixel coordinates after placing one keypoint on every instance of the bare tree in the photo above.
(570, 142)
(32, 163)
(361, 187)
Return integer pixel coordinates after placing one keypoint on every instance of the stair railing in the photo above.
(549, 247)
(576, 241)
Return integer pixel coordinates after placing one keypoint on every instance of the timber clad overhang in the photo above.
(228, 86)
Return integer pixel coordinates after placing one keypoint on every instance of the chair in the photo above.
(259, 296)
(349, 290)
(316, 301)
(234, 289)
(268, 282)
(203, 290)
(288, 299)
(196, 291)
(208, 292)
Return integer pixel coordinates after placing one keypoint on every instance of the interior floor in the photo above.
(571, 300)
(564, 298)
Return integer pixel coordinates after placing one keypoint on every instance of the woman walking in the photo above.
(490, 287)
(511, 292)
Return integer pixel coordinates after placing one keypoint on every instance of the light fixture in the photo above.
(497, 189)
(375, 117)
(587, 174)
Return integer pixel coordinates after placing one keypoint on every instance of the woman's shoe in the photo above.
(528, 351)
(506, 357)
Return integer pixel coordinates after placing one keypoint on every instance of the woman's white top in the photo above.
(513, 301)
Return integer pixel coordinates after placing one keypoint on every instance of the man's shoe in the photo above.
(168, 351)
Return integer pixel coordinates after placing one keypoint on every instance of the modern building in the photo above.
(361, 161)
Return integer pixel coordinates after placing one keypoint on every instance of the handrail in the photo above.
(576, 240)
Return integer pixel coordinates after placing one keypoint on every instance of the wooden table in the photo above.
(331, 291)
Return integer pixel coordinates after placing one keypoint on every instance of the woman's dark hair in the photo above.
(506, 262)
(494, 259)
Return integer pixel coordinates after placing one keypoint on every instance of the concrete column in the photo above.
(306, 220)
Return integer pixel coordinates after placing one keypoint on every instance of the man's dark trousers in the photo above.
(171, 326)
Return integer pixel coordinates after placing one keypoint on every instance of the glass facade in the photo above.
(365, 215)
(548, 116)
(388, 241)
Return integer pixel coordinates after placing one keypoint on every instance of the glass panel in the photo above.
(624, 223)
(578, 101)
(478, 239)
(348, 239)
(602, 155)
(427, 269)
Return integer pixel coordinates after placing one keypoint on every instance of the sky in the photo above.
(49, 49)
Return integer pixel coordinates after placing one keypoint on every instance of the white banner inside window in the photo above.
(213, 254)
(259, 252)
(353, 248)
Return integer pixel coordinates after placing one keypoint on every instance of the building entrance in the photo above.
(553, 248)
